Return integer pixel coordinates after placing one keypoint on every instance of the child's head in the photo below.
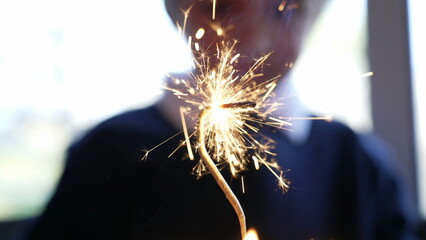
(259, 26)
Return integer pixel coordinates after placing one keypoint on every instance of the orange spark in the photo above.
(282, 5)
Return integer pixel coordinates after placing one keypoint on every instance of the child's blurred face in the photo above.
(259, 26)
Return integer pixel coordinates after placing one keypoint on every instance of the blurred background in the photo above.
(56, 55)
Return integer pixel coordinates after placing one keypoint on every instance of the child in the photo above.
(340, 188)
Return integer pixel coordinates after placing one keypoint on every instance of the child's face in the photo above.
(259, 26)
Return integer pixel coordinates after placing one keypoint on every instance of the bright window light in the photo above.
(417, 19)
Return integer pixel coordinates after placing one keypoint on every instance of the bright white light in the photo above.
(67, 65)
(417, 19)
(81, 55)
(333, 84)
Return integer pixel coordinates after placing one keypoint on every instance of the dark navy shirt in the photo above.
(340, 189)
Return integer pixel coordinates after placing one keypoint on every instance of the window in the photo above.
(55, 56)
(418, 60)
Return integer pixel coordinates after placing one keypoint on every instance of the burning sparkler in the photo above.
(232, 108)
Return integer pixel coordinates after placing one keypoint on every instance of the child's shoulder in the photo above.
(145, 123)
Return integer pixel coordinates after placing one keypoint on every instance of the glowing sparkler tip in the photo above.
(251, 235)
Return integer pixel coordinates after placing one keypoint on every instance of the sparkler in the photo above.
(232, 108)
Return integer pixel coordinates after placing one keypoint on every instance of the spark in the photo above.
(285, 6)
(214, 10)
(281, 121)
(189, 42)
(242, 185)
(221, 31)
(200, 33)
(197, 46)
(367, 74)
(283, 184)
(256, 162)
(147, 152)
(282, 5)
(325, 118)
(185, 19)
(289, 64)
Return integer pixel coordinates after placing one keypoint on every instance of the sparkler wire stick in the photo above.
(211, 166)
(185, 132)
